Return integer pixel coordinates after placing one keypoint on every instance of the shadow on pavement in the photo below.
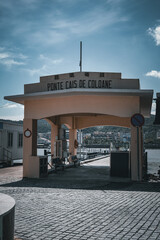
(44, 183)
(86, 178)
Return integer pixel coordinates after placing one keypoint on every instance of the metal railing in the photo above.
(6, 156)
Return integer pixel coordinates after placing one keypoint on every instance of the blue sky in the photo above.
(41, 37)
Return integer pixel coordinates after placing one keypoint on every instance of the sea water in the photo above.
(153, 158)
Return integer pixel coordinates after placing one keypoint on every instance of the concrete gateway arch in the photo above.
(80, 100)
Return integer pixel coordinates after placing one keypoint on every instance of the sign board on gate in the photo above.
(137, 120)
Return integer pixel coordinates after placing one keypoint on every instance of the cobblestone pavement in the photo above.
(67, 208)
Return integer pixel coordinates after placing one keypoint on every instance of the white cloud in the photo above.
(20, 5)
(10, 62)
(21, 56)
(46, 68)
(89, 22)
(4, 55)
(36, 71)
(16, 117)
(155, 33)
(9, 58)
(48, 60)
(153, 73)
(11, 111)
(12, 105)
(47, 36)
(58, 27)
(37, 22)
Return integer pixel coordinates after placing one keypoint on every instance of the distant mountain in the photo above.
(147, 125)
(10, 121)
(44, 126)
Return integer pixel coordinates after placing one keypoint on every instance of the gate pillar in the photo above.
(136, 153)
(29, 144)
(54, 137)
(72, 138)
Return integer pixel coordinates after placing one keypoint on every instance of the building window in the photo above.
(10, 139)
(71, 74)
(101, 74)
(56, 77)
(1, 125)
(20, 140)
(86, 74)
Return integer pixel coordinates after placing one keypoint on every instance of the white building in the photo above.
(11, 141)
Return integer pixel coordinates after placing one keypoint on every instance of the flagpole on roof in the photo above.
(80, 63)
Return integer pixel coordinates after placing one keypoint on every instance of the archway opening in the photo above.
(96, 142)
(100, 140)
(99, 145)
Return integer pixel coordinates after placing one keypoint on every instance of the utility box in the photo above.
(43, 167)
(37, 167)
(120, 164)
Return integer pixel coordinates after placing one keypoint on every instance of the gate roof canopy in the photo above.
(81, 89)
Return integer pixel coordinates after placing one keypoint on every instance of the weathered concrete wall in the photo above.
(121, 106)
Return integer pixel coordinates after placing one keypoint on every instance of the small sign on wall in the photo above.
(137, 120)
(27, 133)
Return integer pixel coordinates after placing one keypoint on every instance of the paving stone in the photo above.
(62, 210)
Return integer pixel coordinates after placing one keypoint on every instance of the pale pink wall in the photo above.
(121, 106)
(72, 138)
(101, 120)
(30, 160)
